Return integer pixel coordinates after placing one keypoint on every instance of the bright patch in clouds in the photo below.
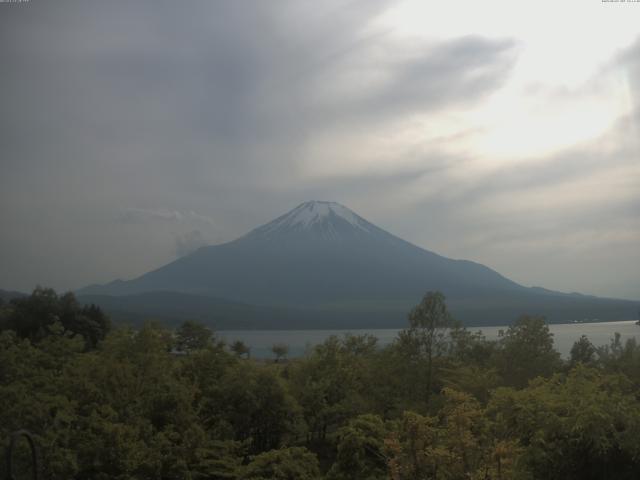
(562, 89)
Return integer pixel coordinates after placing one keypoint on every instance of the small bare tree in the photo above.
(240, 348)
(280, 350)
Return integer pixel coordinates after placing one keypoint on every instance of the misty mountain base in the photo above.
(438, 403)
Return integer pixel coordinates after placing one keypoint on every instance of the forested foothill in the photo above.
(440, 402)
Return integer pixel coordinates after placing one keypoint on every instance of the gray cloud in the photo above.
(189, 242)
(133, 132)
(566, 221)
(142, 215)
(630, 61)
(435, 76)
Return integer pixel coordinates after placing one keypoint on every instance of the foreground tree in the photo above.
(584, 425)
(333, 383)
(361, 450)
(280, 350)
(240, 348)
(526, 351)
(191, 336)
(622, 358)
(458, 443)
(582, 351)
(294, 463)
(428, 334)
(130, 409)
(39, 315)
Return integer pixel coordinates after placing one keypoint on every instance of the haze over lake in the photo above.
(300, 341)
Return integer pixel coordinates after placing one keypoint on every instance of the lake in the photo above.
(301, 341)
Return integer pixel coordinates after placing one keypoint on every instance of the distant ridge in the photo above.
(329, 264)
(8, 295)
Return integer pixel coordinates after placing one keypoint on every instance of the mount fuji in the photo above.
(323, 266)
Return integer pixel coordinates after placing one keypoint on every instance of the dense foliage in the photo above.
(439, 403)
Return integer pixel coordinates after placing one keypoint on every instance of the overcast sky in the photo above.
(132, 132)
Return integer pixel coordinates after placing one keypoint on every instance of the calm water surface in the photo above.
(301, 341)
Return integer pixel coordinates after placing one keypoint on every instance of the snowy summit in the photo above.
(322, 218)
(315, 211)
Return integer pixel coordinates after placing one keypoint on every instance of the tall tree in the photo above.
(582, 351)
(428, 334)
(527, 351)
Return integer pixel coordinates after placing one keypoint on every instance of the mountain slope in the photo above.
(322, 256)
(318, 253)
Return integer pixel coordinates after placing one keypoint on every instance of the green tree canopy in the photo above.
(584, 425)
(582, 351)
(192, 336)
(34, 317)
(428, 334)
(526, 351)
(361, 450)
(293, 463)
